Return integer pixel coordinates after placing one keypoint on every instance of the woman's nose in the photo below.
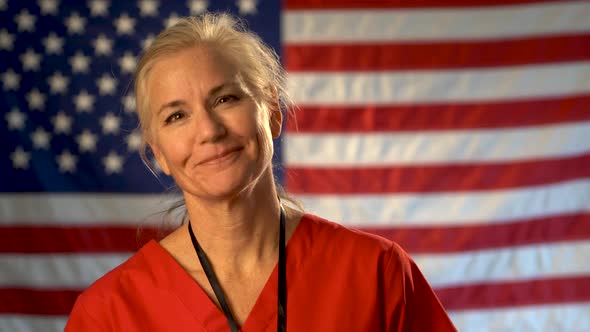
(210, 127)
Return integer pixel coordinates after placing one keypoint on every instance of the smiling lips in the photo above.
(219, 157)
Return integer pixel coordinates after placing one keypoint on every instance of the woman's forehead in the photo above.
(190, 69)
(197, 61)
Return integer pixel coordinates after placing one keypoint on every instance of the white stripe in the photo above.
(437, 147)
(77, 271)
(61, 271)
(438, 86)
(362, 26)
(356, 210)
(506, 264)
(444, 209)
(543, 318)
(32, 323)
(80, 209)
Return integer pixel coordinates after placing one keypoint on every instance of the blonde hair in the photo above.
(259, 67)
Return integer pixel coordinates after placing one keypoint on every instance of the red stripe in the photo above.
(80, 239)
(434, 178)
(449, 55)
(31, 240)
(370, 118)
(516, 293)
(384, 4)
(477, 296)
(37, 301)
(456, 239)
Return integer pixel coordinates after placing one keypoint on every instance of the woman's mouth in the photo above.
(220, 157)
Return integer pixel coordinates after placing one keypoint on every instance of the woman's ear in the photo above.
(276, 122)
(276, 116)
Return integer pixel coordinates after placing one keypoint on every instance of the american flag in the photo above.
(460, 130)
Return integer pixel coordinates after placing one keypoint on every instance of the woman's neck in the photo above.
(239, 234)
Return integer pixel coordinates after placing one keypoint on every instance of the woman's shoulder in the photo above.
(137, 267)
(325, 234)
(337, 249)
(126, 287)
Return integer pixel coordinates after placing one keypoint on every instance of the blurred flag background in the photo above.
(459, 129)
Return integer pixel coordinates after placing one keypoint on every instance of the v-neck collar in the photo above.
(170, 275)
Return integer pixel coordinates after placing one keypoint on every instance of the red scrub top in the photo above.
(338, 279)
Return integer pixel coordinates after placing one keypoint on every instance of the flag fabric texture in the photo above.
(458, 129)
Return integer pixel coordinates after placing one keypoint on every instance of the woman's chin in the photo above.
(224, 185)
(222, 189)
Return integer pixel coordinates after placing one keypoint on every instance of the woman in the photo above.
(209, 98)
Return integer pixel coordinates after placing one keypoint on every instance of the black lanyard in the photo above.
(282, 287)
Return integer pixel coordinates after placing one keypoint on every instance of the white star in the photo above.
(53, 44)
(110, 124)
(79, 63)
(30, 60)
(36, 100)
(247, 7)
(129, 103)
(127, 63)
(98, 7)
(67, 162)
(148, 7)
(15, 119)
(86, 141)
(124, 24)
(147, 41)
(6, 40)
(133, 141)
(48, 6)
(198, 6)
(84, 101)
(10, 80)
(62, 124)
(113, 163)
(40, 138)
(25, 21)
(171, 20)
(103, 45)
(75, 23)
(106, 85)
(58, 83)
(20, 158)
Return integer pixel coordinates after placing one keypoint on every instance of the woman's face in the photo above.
(207, 132)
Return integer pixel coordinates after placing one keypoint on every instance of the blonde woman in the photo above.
(210, 97)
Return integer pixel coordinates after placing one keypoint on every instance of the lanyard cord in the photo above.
(282, 287)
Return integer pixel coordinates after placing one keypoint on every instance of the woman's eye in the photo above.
(226, 99)
(174, 117)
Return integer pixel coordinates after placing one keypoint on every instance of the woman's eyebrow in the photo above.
(215, 90)
(226, 85)
(174, 103)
